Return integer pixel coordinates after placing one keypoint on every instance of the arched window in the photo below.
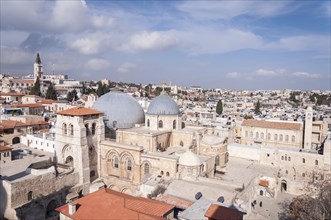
(293, 138)
(303, 160)
(92, 173)
(64, 129)
(30, 195)
(303, 174)
(217, 160)
(87, 130)
(146, 168)
(71, 129)
(316, 162)
(167, 174)
(129, 165)
(147, 122)
(257, 135)
(262, 135)
(93, 128)
(162, 172)
(174, 124)
(275, 137)
(286, 138)
(285, 156)
(160, 124)
(281, 137)
(289, 158)
(183, 125)
(286, 172)
(282, 157)
(269, 136)
(115, 164)
(181, 143)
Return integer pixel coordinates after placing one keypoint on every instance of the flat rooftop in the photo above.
(15, 169)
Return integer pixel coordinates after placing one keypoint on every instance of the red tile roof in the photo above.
(176, 201)
(31, 81)
(4, 148)
(79, 111)
(11, 94)
(264, 183)
(47, 101)
(109, 204)
(223, 213)
(28, 105)
(272, 124)
(6, 124)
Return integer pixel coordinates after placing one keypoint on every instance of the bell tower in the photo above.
(38, 68)
(308, 128)
(78, 134)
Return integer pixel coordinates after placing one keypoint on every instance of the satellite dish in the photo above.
(198, 195)
(220, 199)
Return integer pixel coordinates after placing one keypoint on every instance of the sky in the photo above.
(213, 44)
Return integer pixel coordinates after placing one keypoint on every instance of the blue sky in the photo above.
(214, 44)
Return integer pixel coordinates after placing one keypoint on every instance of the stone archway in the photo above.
(69, 161)
(126, 191)
(283, 186)
(35, 211)
(50, 210)
(16, 140)
(114, 187)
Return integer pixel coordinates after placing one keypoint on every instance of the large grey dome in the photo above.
(121, 110)
(163, 105)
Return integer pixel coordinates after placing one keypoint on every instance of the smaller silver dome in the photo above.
(163, 105)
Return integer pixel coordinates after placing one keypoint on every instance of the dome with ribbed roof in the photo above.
(163, 105)
(189, 159)
(121, 110)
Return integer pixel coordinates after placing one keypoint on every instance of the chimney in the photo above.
(71, 208)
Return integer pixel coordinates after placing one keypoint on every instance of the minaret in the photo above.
(308, 128)
(38, 69)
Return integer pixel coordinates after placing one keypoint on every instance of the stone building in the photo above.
(272, 133)
(5, 154)
(117, 146)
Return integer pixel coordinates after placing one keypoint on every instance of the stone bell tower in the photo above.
(38, 68)
(308, 128)
(78, 133)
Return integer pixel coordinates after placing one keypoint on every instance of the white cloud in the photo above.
(306, 75)
(155, 40)
(212, 10)
(126, 67)
(265, 72)
(302, 43)
(233, 75)
(219, 41)
(97, 64)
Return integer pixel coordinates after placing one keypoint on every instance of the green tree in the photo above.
(72, 96)
(248, 117)
(51, 93)
(219, 107)
(257, 110)
(35, 89)
(102, 89)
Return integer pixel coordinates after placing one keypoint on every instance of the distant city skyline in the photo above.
(214, 44)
